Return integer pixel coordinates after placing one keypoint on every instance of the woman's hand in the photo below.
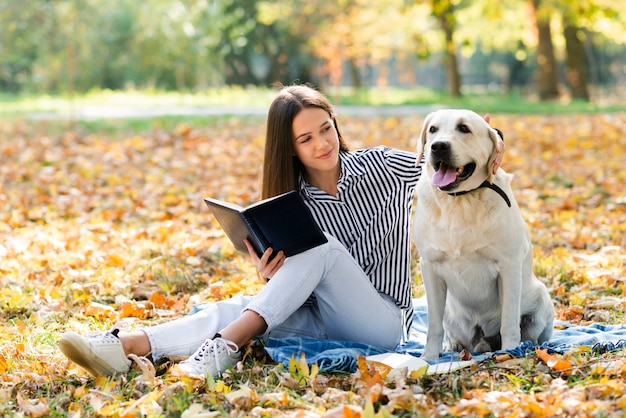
(266, 267)
(499, 146)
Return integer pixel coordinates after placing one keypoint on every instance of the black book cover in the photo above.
(281, 222)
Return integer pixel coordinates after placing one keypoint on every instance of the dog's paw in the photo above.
(482, 347)
(430, 354)
(510, 346)
(454, 347)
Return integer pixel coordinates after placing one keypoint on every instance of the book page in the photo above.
(415, 365)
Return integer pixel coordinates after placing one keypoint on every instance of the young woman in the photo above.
(356, 287)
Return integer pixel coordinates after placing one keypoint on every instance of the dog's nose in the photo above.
(440, 147)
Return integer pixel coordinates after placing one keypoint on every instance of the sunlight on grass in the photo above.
(259, 99)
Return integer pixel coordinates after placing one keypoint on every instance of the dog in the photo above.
(474, 246)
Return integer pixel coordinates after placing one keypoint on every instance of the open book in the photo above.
(281, 222)
(416, 366)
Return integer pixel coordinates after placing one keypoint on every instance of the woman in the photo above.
(356, 287)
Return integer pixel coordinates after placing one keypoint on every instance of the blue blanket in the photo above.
(341, 356)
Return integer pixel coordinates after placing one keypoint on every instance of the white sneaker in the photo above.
(100, 353)
(211, 359)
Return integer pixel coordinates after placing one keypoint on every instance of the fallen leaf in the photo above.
(243, 398)
(553, 362)
(197, 410)
(465, 355)
(148, 372)
(33, 407)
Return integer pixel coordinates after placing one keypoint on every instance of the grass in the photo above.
(227, 96)
(58, 114)
(257, 99)
(481, 101)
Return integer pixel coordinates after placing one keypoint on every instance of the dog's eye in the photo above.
(433, 129)
(463, 128)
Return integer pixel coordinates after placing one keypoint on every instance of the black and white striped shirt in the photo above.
(371, 215)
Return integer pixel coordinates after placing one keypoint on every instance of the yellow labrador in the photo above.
(474, 247)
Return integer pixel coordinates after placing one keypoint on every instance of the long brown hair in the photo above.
(281, 168)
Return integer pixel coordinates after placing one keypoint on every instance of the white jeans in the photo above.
(348, 306)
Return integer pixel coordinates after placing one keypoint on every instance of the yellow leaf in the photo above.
(221, 387)
(105, 384)
(4, 366)
(81, 391)
(145, 406)
(243, 392)
(417, 373)
(115, 260)
(100, 311)
(14, 298)
(577, 299)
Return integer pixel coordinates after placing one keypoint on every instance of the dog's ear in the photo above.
(421, 143)
(495, 138)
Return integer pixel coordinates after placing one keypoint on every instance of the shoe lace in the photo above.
(210, 351)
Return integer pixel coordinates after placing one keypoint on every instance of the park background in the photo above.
(117, 117)
(543, 49)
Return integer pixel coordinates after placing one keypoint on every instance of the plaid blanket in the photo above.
(336, 356)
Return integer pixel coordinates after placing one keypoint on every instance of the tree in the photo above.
(579, 19)
(575, 71)
(80, 45)
(547, 75)
(443, 10)
(22, 33)
(351, 41)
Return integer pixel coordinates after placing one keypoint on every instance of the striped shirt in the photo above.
(371, 216)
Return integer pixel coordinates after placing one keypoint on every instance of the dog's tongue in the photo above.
(445, 176)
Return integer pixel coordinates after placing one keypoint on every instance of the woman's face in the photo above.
(316, 141)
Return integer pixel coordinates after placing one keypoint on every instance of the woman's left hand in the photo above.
(499, 147)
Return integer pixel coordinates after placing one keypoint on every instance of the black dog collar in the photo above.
(488, 185)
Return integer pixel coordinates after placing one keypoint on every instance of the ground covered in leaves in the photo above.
(103, 225)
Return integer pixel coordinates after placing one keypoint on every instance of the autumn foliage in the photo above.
(98, 227)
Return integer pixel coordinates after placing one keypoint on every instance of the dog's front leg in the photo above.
(436, 290)
(510, 289)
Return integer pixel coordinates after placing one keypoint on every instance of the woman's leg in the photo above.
(349, 306)
(105, 353)
(135, 342)
(183, 336)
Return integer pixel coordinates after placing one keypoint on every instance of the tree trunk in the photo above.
(575, 71)
(452, 65)
(357, 83)
(547, 76)
(444, 11)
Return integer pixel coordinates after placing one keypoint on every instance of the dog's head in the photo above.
(460, 149)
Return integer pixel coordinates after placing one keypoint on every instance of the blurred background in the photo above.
(544, 50)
